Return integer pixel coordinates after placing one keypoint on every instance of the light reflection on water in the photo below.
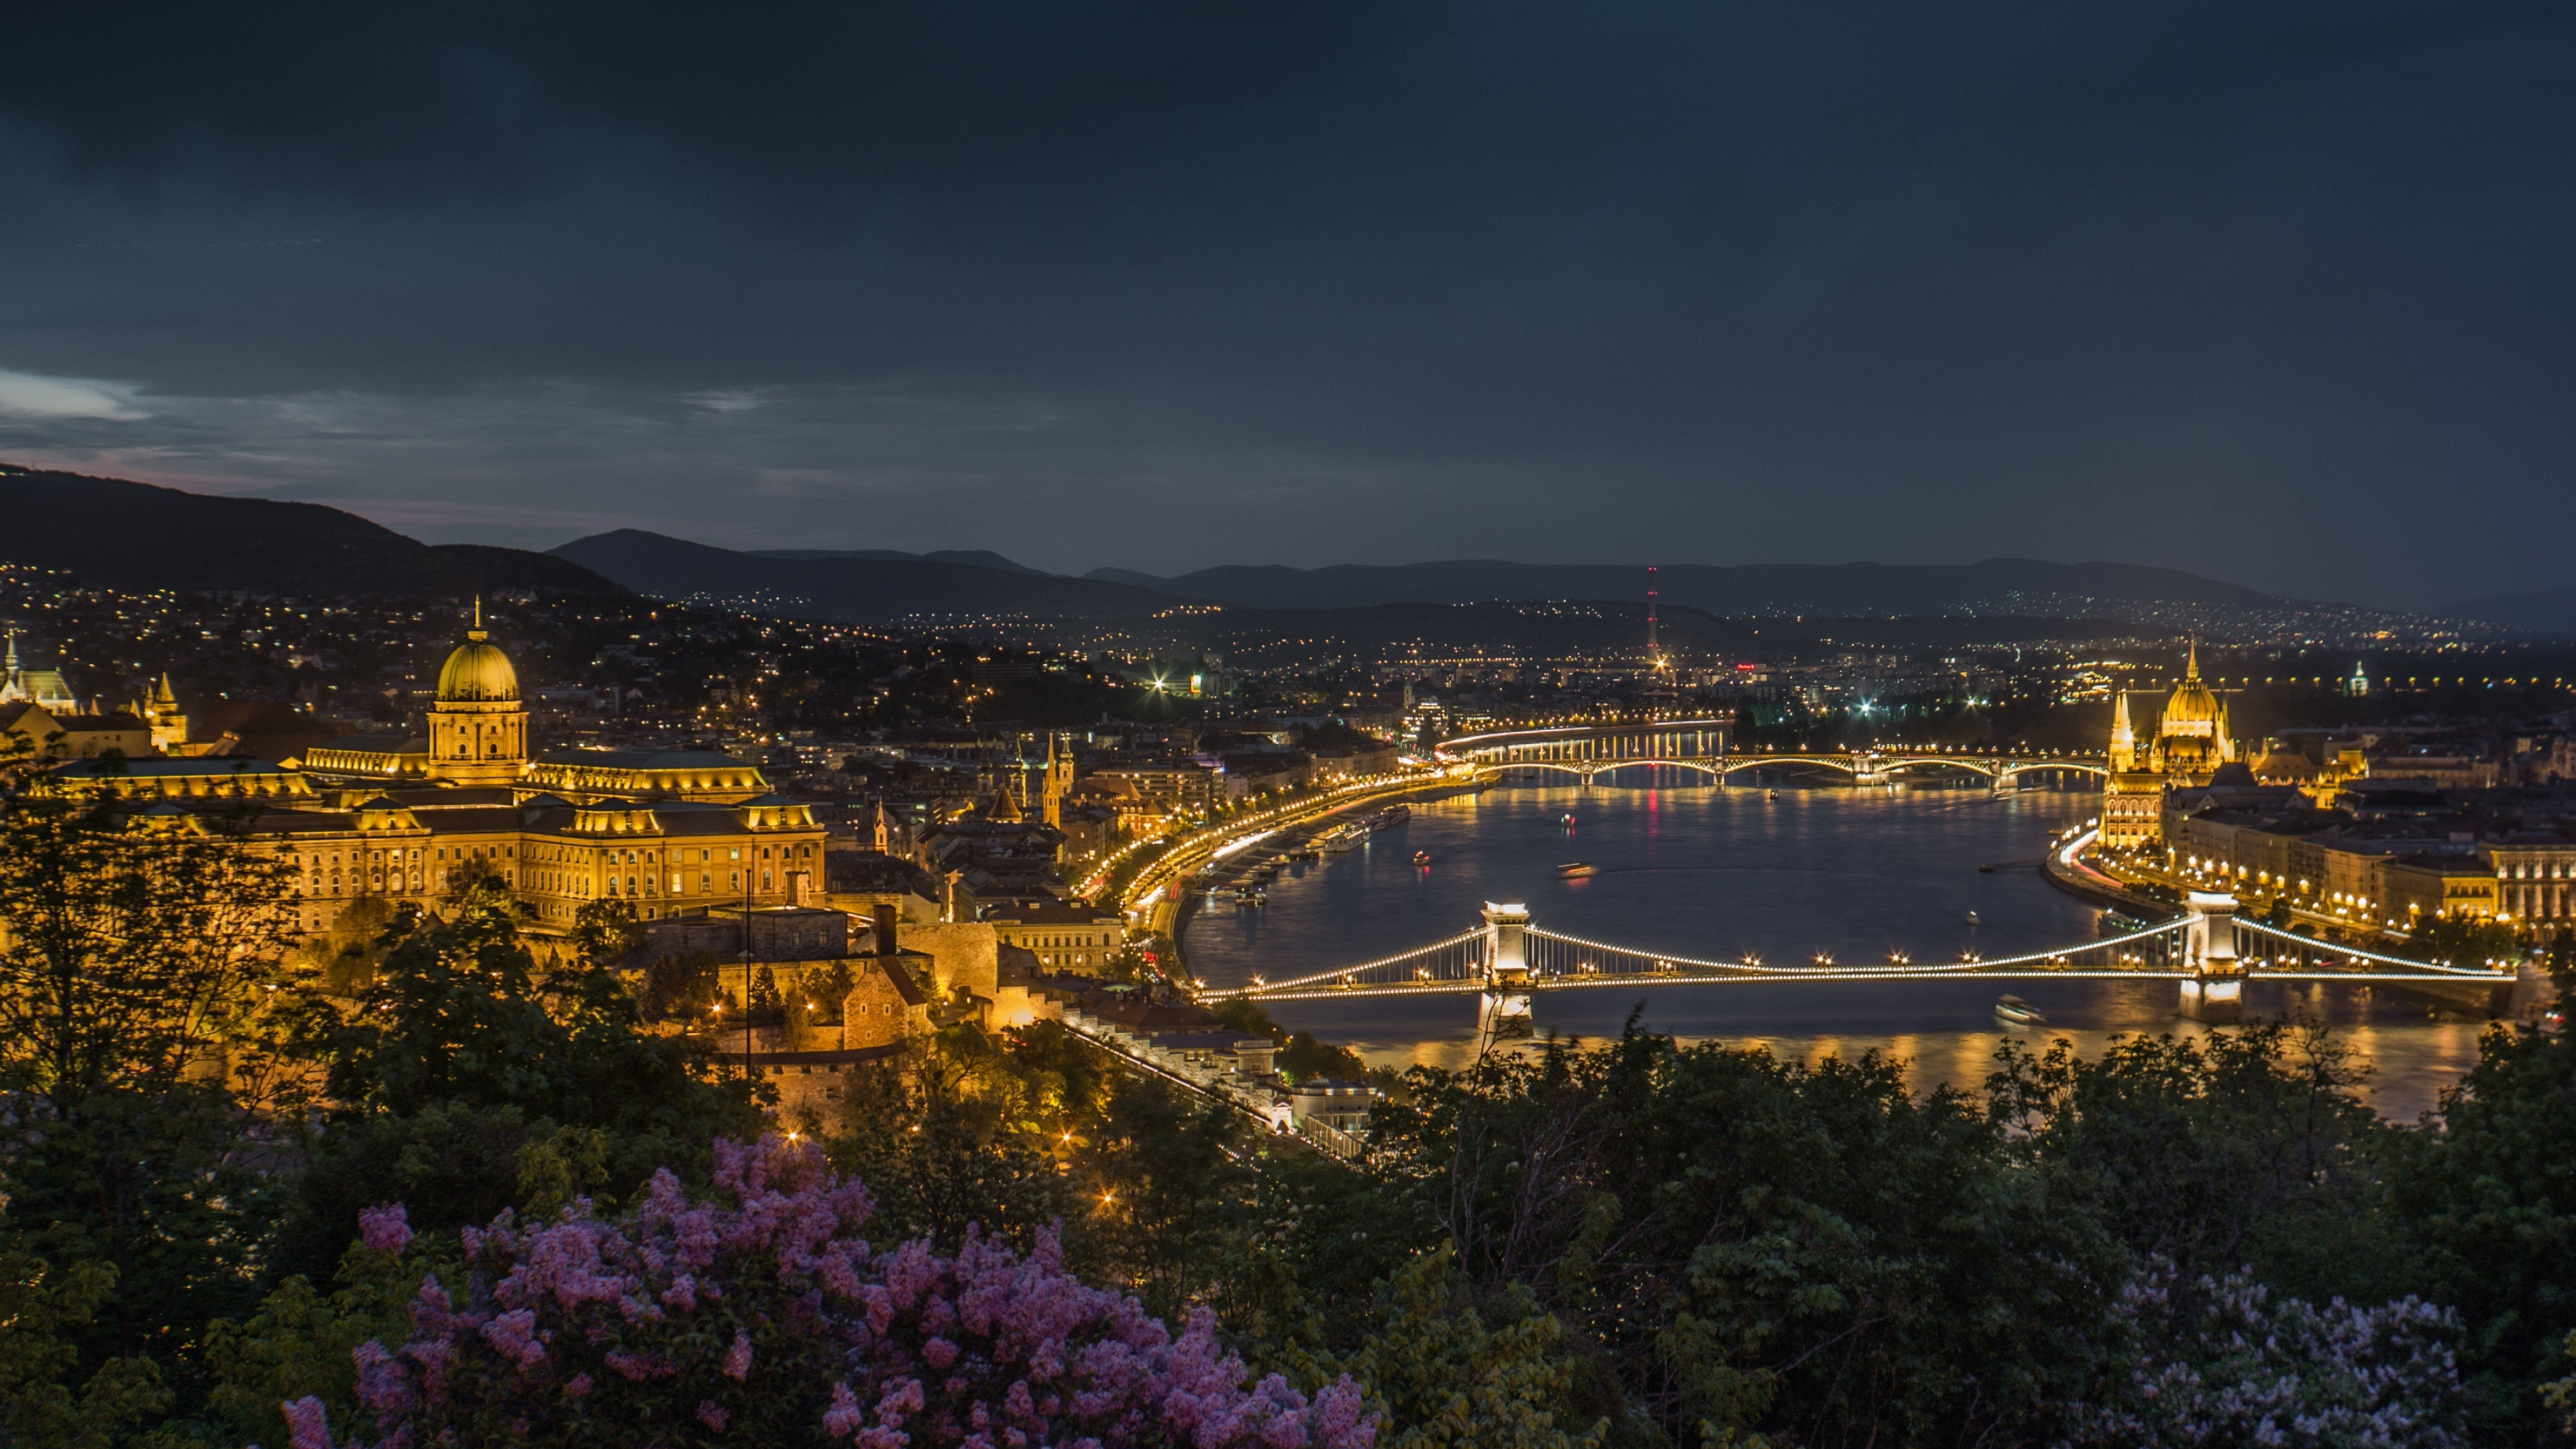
(1710, 872)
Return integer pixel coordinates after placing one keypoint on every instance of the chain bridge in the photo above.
(2208, 950)
(1585, 751)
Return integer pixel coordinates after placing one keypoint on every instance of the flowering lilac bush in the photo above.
(761, 1317)
(2239, 1366)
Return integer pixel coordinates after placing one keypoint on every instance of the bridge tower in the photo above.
(2214, 992)
(1504, 1010)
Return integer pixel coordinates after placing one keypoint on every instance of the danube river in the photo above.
(1714, 873)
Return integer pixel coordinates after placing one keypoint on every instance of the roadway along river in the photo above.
(1707, 872)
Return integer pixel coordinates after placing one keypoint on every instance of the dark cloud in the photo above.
(2279, 293)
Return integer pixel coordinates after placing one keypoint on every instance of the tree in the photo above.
(682, 987)
(2561, 961)
(1443, 1378)
(2211, 1155)
(1305, 1058)
(1759, 1247)
(457, 1064)
(143, 982)
(940, 1166)
(606, 932)
(133, 943)
(1168, 1177)
(2464, 941)
(766, 1007)
(38, 1409)
(2490, 1214)
(457, 1015)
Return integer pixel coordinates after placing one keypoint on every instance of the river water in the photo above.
(1715, 872)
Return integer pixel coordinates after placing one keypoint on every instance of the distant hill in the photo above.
(982, 558)
(2545, 611)
(2001, 585)
(1598, 628)
(119, 534)
(821, 584)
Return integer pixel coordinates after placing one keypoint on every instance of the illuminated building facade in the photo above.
(2192, 739)
(397, 818)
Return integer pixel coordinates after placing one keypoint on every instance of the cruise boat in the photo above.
(2013, 1011)
(1388, 818)
(1577, 870)
(1422, 857)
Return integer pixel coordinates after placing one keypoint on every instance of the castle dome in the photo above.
(478, 672)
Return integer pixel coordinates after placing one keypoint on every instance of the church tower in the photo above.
(2133, 795)
(478, 730)
(160, 711)
(1058, 783)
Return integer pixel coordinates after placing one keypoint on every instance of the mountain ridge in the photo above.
(977, 557)
(118, 533)
(840, 586)
(2542, 611)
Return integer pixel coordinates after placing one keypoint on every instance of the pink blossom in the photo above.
(845, 1415)
(307, 1427)
(515, 1334)
(903, 1397)
(384, 1229)
(633, 1365)
(988, 1347)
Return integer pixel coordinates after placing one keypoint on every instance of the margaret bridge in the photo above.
(1586, 751)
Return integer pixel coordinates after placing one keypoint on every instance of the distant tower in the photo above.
(1059, 782)
(161, 713)
(1654, 650)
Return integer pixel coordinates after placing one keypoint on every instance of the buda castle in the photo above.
(2192, 740)
(397, 817)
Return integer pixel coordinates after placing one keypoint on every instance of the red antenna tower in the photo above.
(1654, 650)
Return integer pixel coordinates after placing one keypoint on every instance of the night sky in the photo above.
(2282, 293)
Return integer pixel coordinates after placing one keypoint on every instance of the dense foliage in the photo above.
(761, 1313)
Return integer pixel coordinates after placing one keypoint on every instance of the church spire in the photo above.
(476, 633)
(2124, 739)
(2191, 661)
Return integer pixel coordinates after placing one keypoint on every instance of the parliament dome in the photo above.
(2191, 702)
(478, 672)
